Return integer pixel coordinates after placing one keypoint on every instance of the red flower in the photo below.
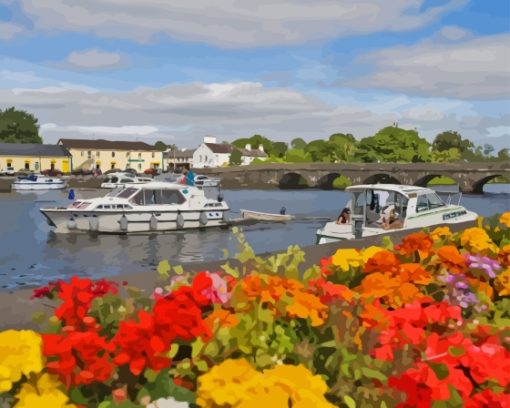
(489, 398)
(417, 242)
(78, 357)
(139, 345)
(382, 261)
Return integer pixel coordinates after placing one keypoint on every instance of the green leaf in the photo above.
(105, 404)
(230, 271)
(77, 396)
(349, 401)
(456, 351)
(368, 372)
(178, 269)
(164, 270)
(440, 369)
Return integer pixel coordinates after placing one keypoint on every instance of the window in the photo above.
(153, 155)
(126, 180)
(98, 154)
(9, 164)
(137, 199)
(113, 154)
(89, 154)
(171, 197)
(127, 192)
(139, 166)
(127, 154)
(139, 155)
(82, 153)
(27, 166)
(428, 201)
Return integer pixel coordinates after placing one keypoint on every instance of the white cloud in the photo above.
(472, 69)
(185, 113)
(454, 33)
(9, 30)
(92, 60)
(228, 23)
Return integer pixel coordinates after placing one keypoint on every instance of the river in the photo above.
(31, 254)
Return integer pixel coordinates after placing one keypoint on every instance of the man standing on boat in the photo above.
(188, 178)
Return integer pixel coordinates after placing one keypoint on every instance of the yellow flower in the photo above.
(369, 252)
(20, 353)
(505, 219)
(345, 258)
(502, 283)
(46, 393)
(478, 241)
(440, 232)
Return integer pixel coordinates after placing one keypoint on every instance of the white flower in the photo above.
(167, 403)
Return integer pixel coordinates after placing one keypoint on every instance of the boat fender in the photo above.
(203, 219)
(153, 223)
(93, 223)
(179, 220)
(71, 223)
(123, 223)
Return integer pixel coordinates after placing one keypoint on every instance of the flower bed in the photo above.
(423, 323)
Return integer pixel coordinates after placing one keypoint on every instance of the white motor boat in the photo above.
(115, 180)
(38, 182)
(151, 207)
(376, 209)
(204, 181)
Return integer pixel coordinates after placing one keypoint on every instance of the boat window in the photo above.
(127, 192)
(114, 179)
(84, 204)
(359, 202)
(126, 180)
(137, 198)
(99, 207)
(428, 201)
(171, 197)
(152, 197)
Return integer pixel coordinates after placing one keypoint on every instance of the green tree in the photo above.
(451, 139)
(487, 149)
(297, 156)
(298, 143)
(160, 145)
(319, 150)
(343, 147)
(17, 126)
(279, 149)
(445, 156)
(236, 158)
(504, 154)
(255, 141)
(392, 144)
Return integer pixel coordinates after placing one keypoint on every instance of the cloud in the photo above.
(472, 69)
(185, 113)
(9, 30)
(93, 60)
(241, 23)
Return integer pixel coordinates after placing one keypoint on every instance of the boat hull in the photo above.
(260, 216)
(38, 186)
(125, 222)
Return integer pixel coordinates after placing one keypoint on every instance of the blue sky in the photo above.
(163, 70)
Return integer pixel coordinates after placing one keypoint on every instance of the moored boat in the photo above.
(38, 182)
(376, 209)
(262, 216)
(150, 207)
(115, 180)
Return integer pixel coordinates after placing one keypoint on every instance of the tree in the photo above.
(17, 126)
(504, 154)
(255, 141)
(451, 139)
(487, 149)
(279, 149)
(343, 147)
(319, 150)
(236, 158)
(445, 156)
(297, 156)
(392, 144)
(160, 145)
(298, 143)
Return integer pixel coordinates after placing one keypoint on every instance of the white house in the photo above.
(178, 158)
(213, 154)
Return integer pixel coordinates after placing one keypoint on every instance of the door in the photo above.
(52, 167)
(65, 166)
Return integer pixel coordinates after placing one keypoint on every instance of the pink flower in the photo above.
(218, 291)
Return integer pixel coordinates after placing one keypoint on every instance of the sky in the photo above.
(178, 71)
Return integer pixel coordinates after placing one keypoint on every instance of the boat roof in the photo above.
(160, 184)
(399, 188)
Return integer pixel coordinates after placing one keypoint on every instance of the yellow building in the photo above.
(110, 154)
(34, 157)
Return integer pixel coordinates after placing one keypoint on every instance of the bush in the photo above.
(341, 182)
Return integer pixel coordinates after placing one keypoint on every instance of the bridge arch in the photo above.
(293, 181)
(326, 181)
(425, 180)
(478, 185)
(381, 178)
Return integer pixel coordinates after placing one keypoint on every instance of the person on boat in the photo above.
(344, 217)
(392, 222)
(283, 210)
(188, 178)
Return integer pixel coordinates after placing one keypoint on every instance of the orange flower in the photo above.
(440, 232)
(452, 259)
(413, 272)
(382, 261)
(419, 241)
(476, 240)
(504, 255)
(221, 317)
(306, 305)
(505, 219)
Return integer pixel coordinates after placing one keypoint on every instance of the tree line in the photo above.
(390, 144)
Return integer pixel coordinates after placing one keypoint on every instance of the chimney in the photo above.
(248, 147)
(261, 148)
(209, 139)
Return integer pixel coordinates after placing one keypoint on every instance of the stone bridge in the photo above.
(470, 177)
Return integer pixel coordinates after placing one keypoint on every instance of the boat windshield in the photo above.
(127, 192)
(377, 207)
(428, 201)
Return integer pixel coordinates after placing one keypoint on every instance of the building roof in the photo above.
(187, 153)
(224, 148)
(33, 149)
(102, 144)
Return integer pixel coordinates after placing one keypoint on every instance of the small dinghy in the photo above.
(262, 216)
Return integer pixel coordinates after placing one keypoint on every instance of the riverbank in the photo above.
(16, 307)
